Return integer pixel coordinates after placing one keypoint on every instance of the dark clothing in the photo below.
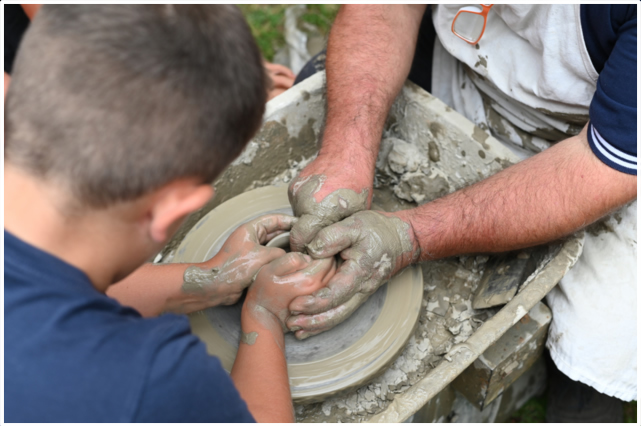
(610, 35)
(421, 71)
(569, 401)
(314, 65)
(15, 24)
(72, 354)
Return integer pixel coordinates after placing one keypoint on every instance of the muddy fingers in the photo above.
(305, 326)
(286, 278)
(318, 209)
(375, 246)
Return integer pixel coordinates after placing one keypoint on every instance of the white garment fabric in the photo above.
(529, 82)
(593, 335)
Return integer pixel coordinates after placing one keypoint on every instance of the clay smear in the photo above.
(248, 338)
(195, 279)
(314, 215)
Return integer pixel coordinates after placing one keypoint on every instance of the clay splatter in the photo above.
(248, 338)
(195, 279)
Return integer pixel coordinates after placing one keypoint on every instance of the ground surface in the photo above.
(266, 22)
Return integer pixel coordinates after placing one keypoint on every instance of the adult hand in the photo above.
(374, 247)
(284, 279)
(327, 191)
(222, 279)
(282, 79)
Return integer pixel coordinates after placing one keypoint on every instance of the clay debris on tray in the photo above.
(406, 177)
(446, 318)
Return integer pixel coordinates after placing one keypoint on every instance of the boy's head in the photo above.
(113, 102)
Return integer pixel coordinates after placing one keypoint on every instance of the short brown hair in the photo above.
(115, 101)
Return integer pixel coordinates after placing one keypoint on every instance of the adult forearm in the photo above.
(369, 55)
(550, 195)
(260, 368)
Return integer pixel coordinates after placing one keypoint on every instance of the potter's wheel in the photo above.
(339, 359)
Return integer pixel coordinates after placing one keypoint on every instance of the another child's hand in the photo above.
(222, 279)
(282, 78)
(284, 279)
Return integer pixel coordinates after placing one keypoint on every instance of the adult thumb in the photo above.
(304, 231)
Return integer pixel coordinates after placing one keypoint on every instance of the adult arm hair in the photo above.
(548, 196)
(369, 55)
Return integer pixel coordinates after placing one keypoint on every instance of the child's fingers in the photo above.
(279, 69)
(321, 270)
(281, 82)
(289, 263)
(309, 279)
(268, 224)
(339, 290)
(305, 326)
(272, 253)
(274, 234)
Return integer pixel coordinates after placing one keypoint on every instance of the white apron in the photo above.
(530, 81)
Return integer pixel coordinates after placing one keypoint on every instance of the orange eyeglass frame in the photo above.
(484, 11)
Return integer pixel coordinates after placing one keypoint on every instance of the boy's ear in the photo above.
(172, 203)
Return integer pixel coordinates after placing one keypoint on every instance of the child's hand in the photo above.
(282, 78)
(284, 279)
(222, 279)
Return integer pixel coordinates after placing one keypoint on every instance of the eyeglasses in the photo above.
(469, 22)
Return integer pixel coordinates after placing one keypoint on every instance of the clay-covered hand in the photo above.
(374, 247)
(284, 279)
(326, 192)
(222, 279)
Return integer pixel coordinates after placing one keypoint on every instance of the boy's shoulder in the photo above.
(73, 354)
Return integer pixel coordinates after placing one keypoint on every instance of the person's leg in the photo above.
(570, 401)
(421, 71)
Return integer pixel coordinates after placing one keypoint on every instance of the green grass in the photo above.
(630, 412)
(267, 23)
(321, 15)
(534, 411)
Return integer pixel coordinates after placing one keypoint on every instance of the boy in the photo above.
(116, 119)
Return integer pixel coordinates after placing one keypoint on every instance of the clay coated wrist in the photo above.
(415, 255)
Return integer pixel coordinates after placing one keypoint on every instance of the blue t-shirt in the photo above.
(73, 354)
(610, 34)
